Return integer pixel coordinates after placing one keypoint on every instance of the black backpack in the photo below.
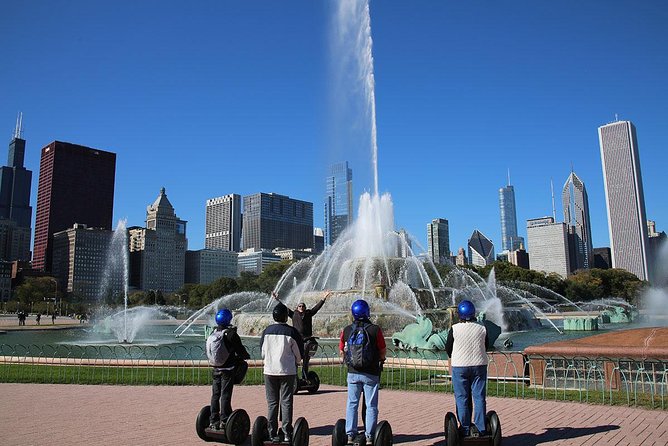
(360, 353)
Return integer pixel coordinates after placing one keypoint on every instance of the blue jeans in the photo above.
(358, 382)
(470, 385)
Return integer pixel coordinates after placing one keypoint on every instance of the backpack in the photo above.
(360, 353)
(216, 349)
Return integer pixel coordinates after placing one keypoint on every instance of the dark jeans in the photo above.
(470, 386)
(280, 390)
(223, 384)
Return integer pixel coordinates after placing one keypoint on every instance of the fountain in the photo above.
(371, 260)
(123, 325)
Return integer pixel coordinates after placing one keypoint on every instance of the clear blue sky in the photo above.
(218, 97)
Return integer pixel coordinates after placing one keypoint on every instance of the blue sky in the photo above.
(211, 98)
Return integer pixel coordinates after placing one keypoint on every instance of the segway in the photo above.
(310, 383)
(260, 435)
(234, 431)
(453, 436)
(382, 436)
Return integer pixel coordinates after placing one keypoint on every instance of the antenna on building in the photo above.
(616, 118)
(509, 176)
(19, 126)
(554, 209)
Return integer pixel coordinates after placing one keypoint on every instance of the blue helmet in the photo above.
(224, 317)
(466, 310)
(360, 310)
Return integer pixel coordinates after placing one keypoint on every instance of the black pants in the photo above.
(221, 397)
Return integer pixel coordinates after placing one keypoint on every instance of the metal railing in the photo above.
(510, 374)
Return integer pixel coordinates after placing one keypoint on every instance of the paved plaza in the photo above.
(48, 414)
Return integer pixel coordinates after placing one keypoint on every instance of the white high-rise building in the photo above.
(158, 251)
(548, 246)
(627, 221)
(223, 223)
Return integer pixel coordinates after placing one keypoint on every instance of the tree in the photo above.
(36, 289)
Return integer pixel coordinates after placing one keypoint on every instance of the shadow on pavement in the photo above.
(555, 434)
(407, 438)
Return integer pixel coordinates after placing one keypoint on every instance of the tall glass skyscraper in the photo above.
(338, 201)
(15, 209)
(223, 223)
(438, 240)
(576, 216)
(627, 221)
(510, 241)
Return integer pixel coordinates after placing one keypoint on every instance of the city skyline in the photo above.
(464, 92)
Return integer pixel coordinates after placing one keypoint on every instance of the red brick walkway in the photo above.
(45, 414)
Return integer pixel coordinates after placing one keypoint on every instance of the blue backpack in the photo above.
(360, 353)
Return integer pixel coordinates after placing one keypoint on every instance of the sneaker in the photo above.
(351, 439)
(215, 426)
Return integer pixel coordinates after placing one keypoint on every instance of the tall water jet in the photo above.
(352, 53)
(115, 278)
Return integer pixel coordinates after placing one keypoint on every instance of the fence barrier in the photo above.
(633, 382)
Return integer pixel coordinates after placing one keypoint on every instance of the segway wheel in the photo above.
(300, 435)
(339, 436)
(260, 431)
(451, 430)
(237, 427)
(203, 419)
(383, 435)
(314, 382)
(494, 427)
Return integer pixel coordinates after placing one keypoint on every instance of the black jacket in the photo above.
(303, 321)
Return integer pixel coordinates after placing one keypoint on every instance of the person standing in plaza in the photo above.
(466, 346)
(282, 350)
(362, 347)
(226, 354)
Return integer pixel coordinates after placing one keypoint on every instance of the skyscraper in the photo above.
(276, 221)
(481, 249)
(627, 221)
(576, 216)
(158, 251)
(510, 241)
(438, 240)
(338, 201)
(548, 246)
(223, 223)
(76, 185)
(15, 209)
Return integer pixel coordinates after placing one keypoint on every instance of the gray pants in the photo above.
(280, 390)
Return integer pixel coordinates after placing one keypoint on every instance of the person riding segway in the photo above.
(467, 345)
(226, 355)
(362, 347)
(302, 320)
(282, 350)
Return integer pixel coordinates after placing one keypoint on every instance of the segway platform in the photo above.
(234, 431)
(260, 434)
(311, 384)
(453, 435)
(382, 436)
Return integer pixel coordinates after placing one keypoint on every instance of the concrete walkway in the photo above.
(47, 414)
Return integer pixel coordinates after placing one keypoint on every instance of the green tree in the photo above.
(268, 279)
(36, 289)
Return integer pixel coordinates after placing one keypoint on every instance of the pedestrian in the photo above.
(227, 357)
(362, 346)
(39, 317)
(302, 320)
(282, 350)
(53, 318)
(466, 346)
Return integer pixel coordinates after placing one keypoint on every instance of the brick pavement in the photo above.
(46, 414)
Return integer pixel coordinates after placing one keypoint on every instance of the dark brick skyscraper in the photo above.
(76, 185)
